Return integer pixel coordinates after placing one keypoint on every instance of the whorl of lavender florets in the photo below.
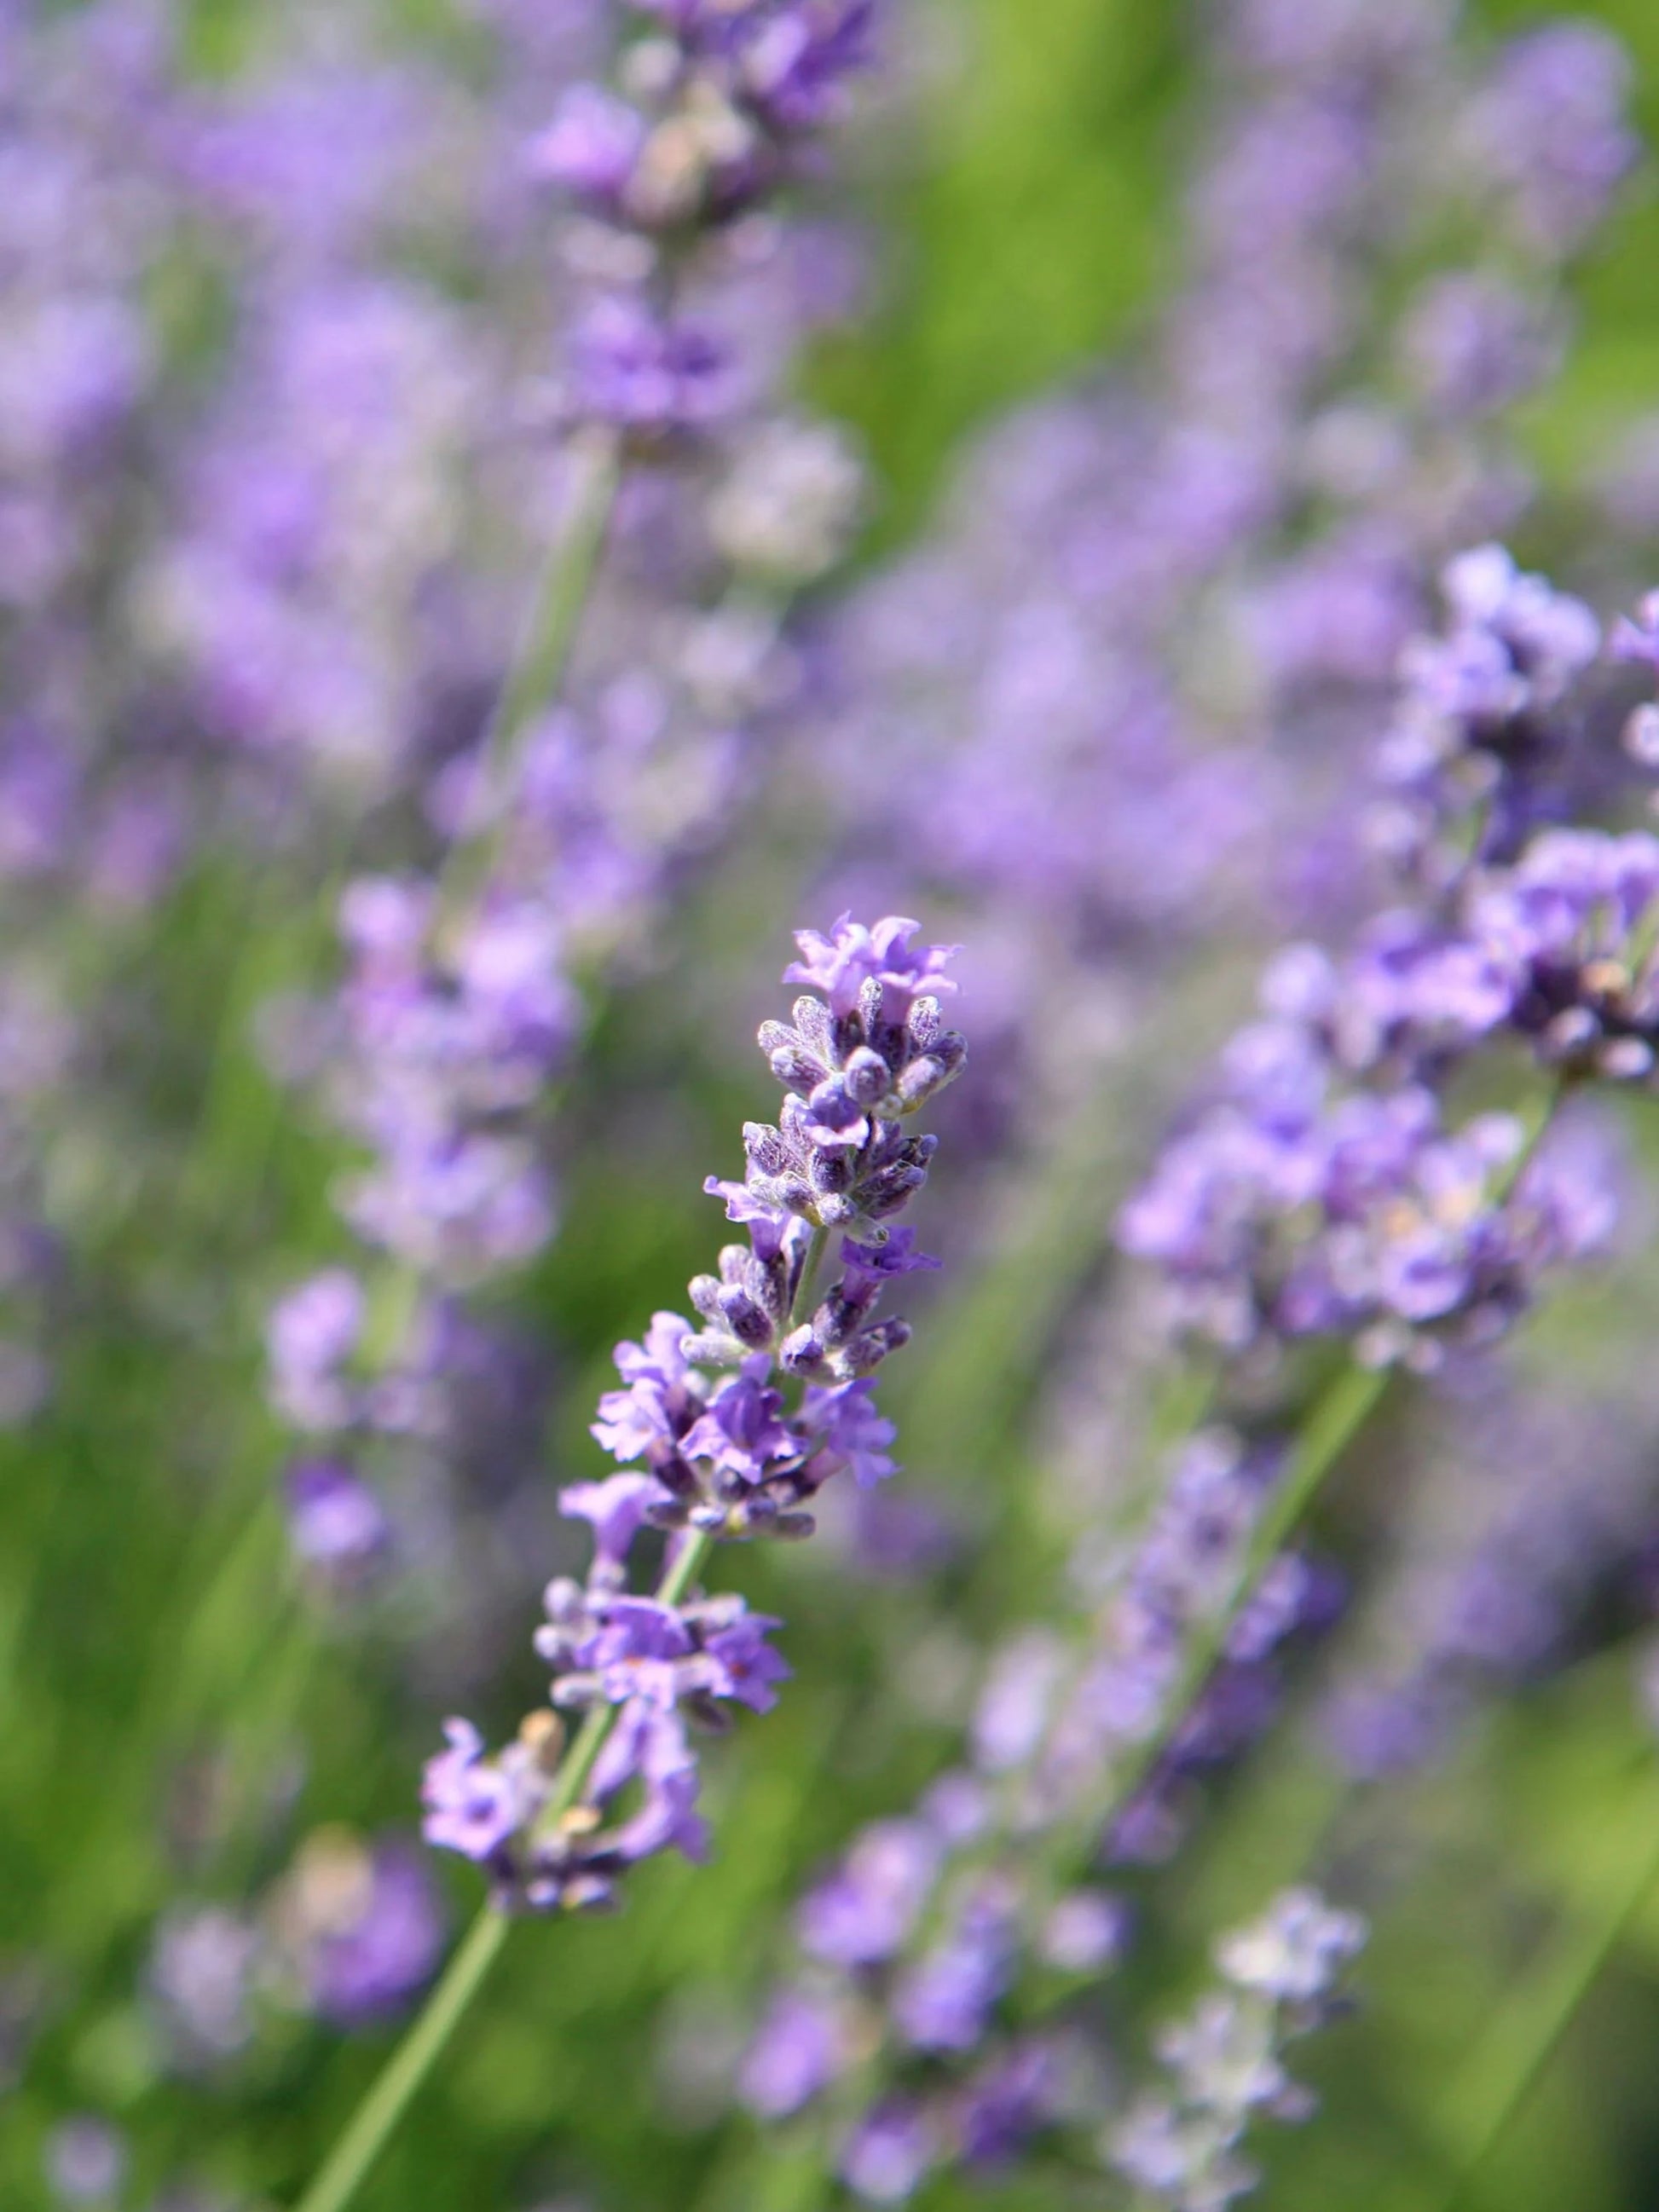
(1549, 130)
(708, 123)
(713, 110)
(1326, 1190)
(1182, 2144)
(711, 1448)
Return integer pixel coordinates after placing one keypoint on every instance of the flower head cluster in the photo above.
(718, 98)
(1180, 2144)
(323, 516)
(1328, 1190)
(862, 1060)
(710, 1448)
(350, 1932)
(1479, 722)
(715, 103)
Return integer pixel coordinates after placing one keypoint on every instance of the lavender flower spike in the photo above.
(725, 1433)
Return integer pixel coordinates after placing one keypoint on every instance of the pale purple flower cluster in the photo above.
(1550, 133)
(450, 1055)
(322, 506)
(349, 1933)
(930, 1923)
(1326, 1191)
(711, 1448)
(1180, 2144)
(715, 103)
(1296, 1208)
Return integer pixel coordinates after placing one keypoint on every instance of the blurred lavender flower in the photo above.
(1182, 2147)
(336, 1525)
(1323, 1193)
(561, 825)
(86, 2161)
(360, 1927)
(1549, 130)
(202, 1968)
(1251, 483)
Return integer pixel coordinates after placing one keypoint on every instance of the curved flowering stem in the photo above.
(410, 2066)
(413, 2061)
(1339, 1415)
(539, 664)
(723, 1458)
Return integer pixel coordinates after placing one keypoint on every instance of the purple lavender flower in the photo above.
(797, 2050)
(311, 1334)
(889, 2153)
(1549, 129)
(86, 2161)
(474, 1805)
(725, 1454)
(840, 964)
(590, 146)
(335, 1522)
(865, 1911)
(360, 1926)
(1180, 2144)
(943, 2002)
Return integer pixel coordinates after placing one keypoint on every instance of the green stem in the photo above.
(378, 2117)
(1528, 2031)
(543, 657)
(1338, 1416)
(801, 1304)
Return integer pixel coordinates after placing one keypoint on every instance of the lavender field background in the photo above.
(509, 511)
